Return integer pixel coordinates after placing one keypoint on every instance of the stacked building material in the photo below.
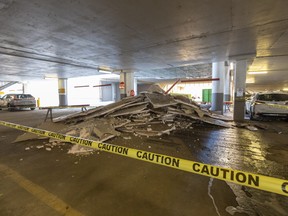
(148, 114)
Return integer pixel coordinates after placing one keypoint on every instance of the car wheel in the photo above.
(9, 108)
(32, 108)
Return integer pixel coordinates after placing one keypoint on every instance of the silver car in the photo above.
(269, 104)
(16, 101)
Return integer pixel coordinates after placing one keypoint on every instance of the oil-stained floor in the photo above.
(36, 180)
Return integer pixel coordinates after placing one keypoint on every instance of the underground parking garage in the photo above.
(66, 173)
(143, 115)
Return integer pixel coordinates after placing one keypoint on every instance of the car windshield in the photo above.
(24, 96)
(273, 97)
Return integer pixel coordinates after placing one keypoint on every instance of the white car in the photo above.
(269, 104)
(18, 101)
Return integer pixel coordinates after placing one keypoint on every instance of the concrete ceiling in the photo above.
(154, 38)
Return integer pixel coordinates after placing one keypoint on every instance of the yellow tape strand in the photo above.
(266, 183)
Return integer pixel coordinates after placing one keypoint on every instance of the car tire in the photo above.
(9, 108)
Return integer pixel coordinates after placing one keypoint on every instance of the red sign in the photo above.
(121, 85)
(132, 93)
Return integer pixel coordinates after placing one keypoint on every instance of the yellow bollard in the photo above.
(38, 102)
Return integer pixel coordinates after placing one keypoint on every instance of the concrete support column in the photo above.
(62, 91)
(25, 88)
(218, 71)
(227, 84)
(239, 90)
(130, 84)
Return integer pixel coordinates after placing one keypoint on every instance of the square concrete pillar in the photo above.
(239, 90)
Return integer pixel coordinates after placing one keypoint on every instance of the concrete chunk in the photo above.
(160, 100)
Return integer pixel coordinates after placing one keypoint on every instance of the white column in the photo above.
(25, 87)
(62, 91)
(218, 71)
(130, 84)
(239, 90)
(227, 84)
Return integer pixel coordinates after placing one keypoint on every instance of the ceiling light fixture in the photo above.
(258, 72)
(285, 89)
(104, 71)
(50, 78)
(231, 66)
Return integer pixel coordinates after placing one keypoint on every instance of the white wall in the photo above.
(83, 95)
(45, 90)
(195, 89)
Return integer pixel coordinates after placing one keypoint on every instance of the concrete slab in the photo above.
(130, 110)
(160, 100)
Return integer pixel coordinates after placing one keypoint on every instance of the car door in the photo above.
(6, 99)
(2, 102)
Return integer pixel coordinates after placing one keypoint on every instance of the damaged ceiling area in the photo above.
(156, 40)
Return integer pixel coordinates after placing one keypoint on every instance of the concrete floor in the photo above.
(40, 182)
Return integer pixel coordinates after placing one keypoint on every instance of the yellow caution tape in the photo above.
(266, 183)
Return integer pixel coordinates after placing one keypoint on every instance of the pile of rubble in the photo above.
(151, 113)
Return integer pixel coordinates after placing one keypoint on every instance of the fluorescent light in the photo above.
(104, 71)
(258, 72)
(49, 78)
(231, 66)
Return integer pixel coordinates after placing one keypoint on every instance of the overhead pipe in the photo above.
(103, 85)
(191, 80)
(201, 80)
(172, 86)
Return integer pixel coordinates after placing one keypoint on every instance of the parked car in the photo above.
(269, 104)
(14, 101)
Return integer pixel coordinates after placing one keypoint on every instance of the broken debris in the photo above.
(150, 114)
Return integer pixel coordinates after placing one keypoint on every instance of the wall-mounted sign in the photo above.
(121, 85)
(240, 92)
(132, 93)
